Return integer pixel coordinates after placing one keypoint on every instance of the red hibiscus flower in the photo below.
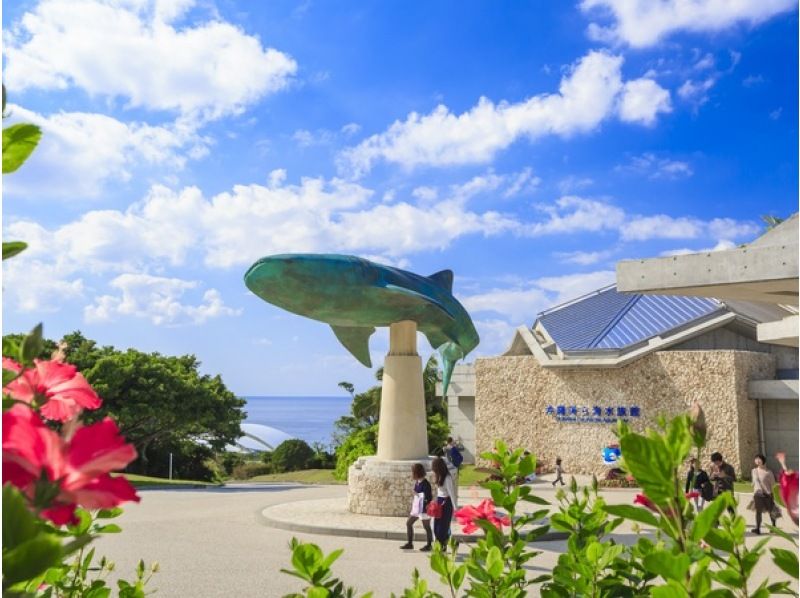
(469, 515)
(692, 495)
(641, 499)
(64, 389)
(789, 487)
(75, 472)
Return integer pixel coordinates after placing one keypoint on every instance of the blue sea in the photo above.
(308, 418)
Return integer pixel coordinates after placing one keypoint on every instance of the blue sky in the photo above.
(527, 147)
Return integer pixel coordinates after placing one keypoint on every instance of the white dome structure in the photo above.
(257, 438)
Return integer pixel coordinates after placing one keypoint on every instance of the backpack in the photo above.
(456, 458)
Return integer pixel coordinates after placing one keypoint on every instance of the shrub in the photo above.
(230, 460)
(359, 443)
(245, 471)
(292, 455)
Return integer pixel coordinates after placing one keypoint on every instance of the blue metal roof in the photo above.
(611, 320)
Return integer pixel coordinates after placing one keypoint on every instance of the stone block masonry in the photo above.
(513, 395)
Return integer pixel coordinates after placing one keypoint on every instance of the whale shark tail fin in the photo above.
(450, 353)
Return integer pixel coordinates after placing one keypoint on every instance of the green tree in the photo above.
(292, 455)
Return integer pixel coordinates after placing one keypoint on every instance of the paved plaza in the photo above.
(218, 542)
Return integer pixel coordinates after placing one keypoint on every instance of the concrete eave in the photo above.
(523, 334)
(766, 273)
(784, 390)
(782, 332)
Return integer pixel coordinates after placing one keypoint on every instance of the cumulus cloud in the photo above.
(158, 299)
(643, 23)
(144, 52)
(667, 227)
(642, 100)
(587, 95)
(84, 151)
(571, 214)
(696, 92)
(583, 258)
(720, 246)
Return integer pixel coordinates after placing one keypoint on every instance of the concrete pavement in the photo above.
(214, 542)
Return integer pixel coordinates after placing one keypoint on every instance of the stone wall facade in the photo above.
(513, 395)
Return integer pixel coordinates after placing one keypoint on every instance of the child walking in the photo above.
(559, 472)
(423, 495)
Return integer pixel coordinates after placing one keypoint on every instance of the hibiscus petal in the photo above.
(23, 388)
(104, 492)
(31, 445)
(76, 389)
(53, 373)
(10, 364)
(56, 409)
(98, 449)
(61, 514)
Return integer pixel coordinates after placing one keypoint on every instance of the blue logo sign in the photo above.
(596, 414)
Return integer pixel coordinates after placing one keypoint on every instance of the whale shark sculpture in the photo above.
(355, 296)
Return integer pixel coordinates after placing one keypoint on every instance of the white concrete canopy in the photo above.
(765, 270)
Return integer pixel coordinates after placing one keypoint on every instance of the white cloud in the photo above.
(696, 93)
(157, 299)
(642, 23)
(642, 100)
(521, 303)
(587, 95)
(40, 285)
(650, 165)
(351, 129)
(81, 152)
(584, 258)
(574, 183)
(752, 80)
(706, 62)
(571, 214)
(661, 227)
(306, 138)
(720, 246)
(425, 193)
(775, 114)
(728, 228)
(522, 182)
(144, 52)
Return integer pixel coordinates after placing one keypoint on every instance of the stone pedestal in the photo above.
(382, 485)
(378, 487)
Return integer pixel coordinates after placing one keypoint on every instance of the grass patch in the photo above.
(306, 476)
(144, 481)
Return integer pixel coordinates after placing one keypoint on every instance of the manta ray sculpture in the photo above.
(355, 296)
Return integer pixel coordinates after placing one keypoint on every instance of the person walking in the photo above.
(697, 479)
(763, 481)
(722, 476)
(423, 495)
(446, 497)
(559, 472)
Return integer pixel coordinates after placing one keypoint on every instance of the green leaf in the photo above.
(706, 519)
(494, 562)
(458, 576)
(111, 528)
(667, 565)
(668, 591)
(329, 560)
(9, 376)
(31, 558)
(593, 552)
(719, 540)
(32, 345)
(317, 593)
(18, 143)
(786, 560)
(19, 524)
(639, 514)
(108, 513)
(649, 461)
(12, 248)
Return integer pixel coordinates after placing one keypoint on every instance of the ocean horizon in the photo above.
(304, 417)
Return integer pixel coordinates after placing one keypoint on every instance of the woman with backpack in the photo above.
(423, 495)
(445, 498)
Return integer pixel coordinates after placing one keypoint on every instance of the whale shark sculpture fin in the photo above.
(356, 340)
(450, 353)
(436, 338)
(444, 278)
(420, 297)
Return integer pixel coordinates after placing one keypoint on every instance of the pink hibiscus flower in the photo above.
(64, 389)
(78, 469)
(641, 499)
(469, 515)
(789, 487)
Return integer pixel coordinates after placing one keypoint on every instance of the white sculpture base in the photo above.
(378, 487)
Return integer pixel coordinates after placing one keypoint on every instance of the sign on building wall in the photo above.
(592, 415)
